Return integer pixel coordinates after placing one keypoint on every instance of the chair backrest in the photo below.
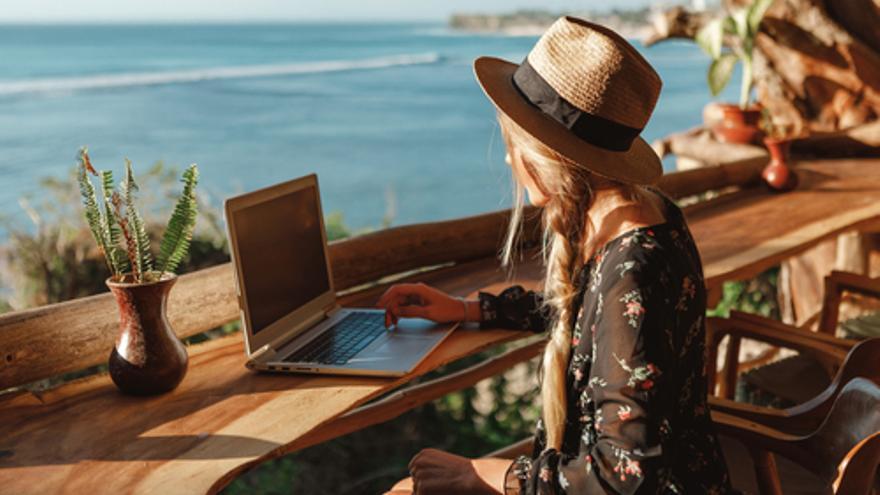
(862, 361)
(854, 416)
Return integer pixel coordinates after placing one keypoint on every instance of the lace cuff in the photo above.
(515, 308)
(528, 476)
(517, 475)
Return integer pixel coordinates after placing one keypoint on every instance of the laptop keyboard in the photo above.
(341, 342)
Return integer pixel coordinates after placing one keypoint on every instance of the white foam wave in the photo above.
(70, 84)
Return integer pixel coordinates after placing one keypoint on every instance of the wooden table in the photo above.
(85, 437)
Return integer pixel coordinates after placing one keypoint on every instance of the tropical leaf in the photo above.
(710, 37)
(178, 233)
(755, 14)
(720, 72)
(741, 22)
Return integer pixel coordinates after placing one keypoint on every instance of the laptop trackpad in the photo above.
(408, 341)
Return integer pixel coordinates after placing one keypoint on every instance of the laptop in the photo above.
(291, 319)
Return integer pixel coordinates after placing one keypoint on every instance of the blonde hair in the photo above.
(568, 239)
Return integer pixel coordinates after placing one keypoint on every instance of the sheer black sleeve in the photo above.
(515, 308)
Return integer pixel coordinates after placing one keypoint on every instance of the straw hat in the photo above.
(585, 92)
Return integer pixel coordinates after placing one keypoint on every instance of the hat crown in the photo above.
(597, 71)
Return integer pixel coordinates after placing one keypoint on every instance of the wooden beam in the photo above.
(409, 398)
(741, 173)
(69, 336)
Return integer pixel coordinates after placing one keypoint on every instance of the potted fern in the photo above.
(739, 123)
(148, 358)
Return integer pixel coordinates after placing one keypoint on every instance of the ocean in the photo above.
(388, 115)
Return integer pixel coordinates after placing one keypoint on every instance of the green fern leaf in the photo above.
(178, 233)
(94, 219)
(111, 228)
(143, 260)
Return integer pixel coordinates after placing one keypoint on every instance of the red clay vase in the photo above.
(148, 358)
(738, 125)
(778, 174)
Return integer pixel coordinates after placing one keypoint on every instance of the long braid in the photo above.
(564, 225)
(568, 236)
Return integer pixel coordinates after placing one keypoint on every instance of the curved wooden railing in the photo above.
(59, 338)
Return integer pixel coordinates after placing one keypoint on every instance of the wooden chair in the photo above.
(796, 379)
(862, 361)
(864, 326)
(841, 456)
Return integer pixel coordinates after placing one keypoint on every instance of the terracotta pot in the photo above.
(738, 125)
(778, 174)
(148, 358)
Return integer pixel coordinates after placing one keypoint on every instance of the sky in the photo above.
(17, 11)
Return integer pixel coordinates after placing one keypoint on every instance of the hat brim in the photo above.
(639, 165)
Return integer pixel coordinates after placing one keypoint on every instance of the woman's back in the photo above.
(636, 382)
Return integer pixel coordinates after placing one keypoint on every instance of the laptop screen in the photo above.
(281, 250)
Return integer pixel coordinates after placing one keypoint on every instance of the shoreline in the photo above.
(631, 24)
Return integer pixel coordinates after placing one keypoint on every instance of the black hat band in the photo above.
(593, 129)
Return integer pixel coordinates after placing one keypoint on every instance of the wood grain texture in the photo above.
(85, 436)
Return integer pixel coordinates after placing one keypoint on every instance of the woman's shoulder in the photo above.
(648, 249)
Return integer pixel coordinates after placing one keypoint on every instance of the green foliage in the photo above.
(120, 221)
(335, 225)
(142, 262)
(178, 233)
(94, 219)
(56, 258)
(741, 26)
(112, 232)
(757, 296)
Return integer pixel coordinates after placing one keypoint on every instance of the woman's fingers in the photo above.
(412, 312)
(404, 300)
(417, 293)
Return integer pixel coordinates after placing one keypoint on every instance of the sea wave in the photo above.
(71, 84)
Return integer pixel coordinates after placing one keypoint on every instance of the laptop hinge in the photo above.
(332, 308)
(285, 339)
(260, 352)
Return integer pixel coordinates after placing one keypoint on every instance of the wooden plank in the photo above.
(741, 173)
(221, 419)
(49, 340)
(411, 397)
(743, 237)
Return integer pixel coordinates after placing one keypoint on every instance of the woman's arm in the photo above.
(619, 400)
(515, 308)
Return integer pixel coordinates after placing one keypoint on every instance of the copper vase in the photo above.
(148, 358)
(778, 174)
(738, 125)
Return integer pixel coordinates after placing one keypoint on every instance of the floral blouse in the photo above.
(638, 421)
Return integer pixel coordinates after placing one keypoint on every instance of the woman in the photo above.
(623, 382)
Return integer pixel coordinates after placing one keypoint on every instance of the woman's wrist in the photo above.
(470, 310)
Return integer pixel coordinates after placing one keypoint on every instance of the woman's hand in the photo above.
(437, 472)
(422, 301)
